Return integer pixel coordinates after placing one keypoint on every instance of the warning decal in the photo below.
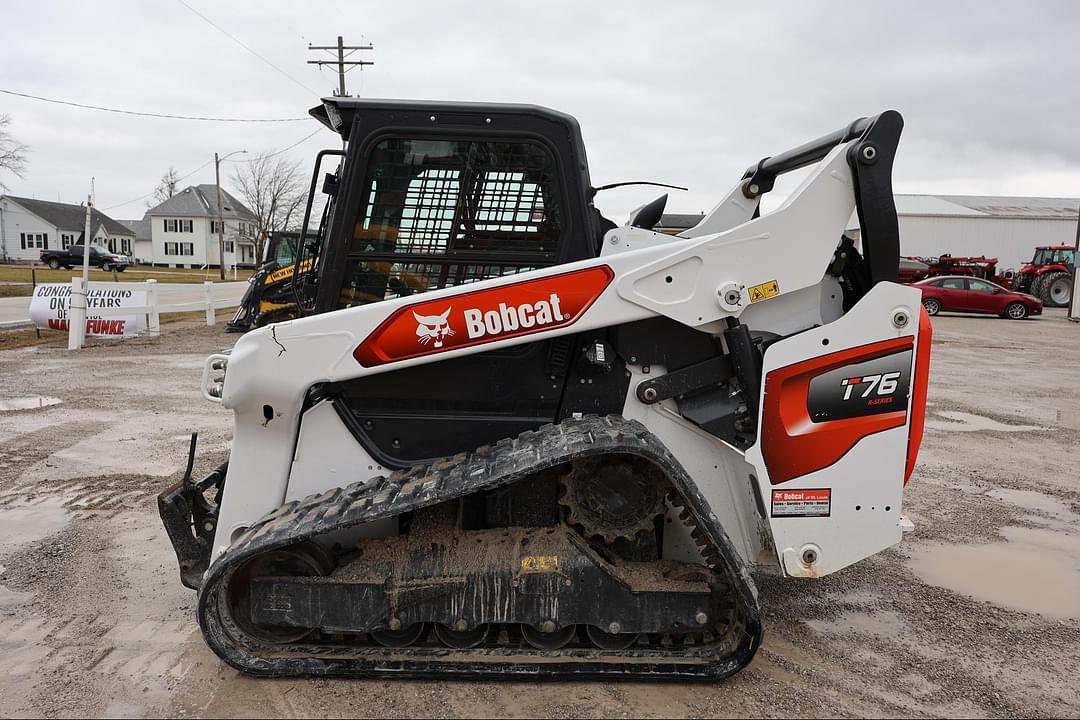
(815, 502)
(540, 563)
(764, 291)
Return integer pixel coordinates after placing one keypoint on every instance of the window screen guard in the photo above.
(439, 213)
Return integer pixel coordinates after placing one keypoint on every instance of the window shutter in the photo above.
(45, 238)
(22, 240)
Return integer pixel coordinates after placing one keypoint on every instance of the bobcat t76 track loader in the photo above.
(509, 438)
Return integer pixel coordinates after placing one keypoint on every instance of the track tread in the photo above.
(487, 467)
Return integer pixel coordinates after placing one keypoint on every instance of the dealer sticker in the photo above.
(815, 502)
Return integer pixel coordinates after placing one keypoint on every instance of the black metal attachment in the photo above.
(649, 215)
(593, 191)
(746, 362)
(190, 518)
(300, 278)
(705, 374)
(871, 162)
(760, 178)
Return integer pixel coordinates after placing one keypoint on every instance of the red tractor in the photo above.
(1049, 275)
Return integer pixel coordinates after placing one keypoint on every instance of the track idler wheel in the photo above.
(610, 641)
(402, 637)
(299, 561)
(552, 640)
(461, 639)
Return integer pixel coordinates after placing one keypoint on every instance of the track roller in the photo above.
(460, 639)
(403, 637)
(552, 640)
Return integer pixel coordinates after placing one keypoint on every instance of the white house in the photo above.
(28, 226)
(184, 233)
(143, 251)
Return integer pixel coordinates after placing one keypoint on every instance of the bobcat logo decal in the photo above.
(433, 327)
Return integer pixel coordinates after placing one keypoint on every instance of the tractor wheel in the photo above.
(1057, 289)
(1035, 288)
(1016, 311)
(932, 305)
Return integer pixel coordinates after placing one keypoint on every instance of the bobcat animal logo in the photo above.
(433, 327)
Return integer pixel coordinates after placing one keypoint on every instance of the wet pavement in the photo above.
(972, 615)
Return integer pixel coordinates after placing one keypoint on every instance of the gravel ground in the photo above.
(972, 615)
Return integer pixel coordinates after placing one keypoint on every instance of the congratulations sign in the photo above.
(50, 307)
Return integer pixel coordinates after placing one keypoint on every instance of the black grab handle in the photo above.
(759, 179)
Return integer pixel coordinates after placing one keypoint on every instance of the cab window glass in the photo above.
(437, 213)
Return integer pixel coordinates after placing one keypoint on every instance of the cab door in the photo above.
(444, 212)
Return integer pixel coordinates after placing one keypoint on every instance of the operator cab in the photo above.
(432, 195)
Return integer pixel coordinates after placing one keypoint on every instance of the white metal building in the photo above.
(1008, 228)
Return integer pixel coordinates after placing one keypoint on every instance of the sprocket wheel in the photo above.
(613, 499)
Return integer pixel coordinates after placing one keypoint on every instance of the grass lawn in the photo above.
(21, 274)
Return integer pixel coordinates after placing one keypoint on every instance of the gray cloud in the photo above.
(683, 92)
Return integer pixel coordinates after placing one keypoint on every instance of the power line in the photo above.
(141, 197)
(185, 177)
(151, 114)
(278, 152)
(239, 42)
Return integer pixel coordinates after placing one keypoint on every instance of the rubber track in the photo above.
(488, 467)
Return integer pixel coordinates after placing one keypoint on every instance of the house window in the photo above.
(187, 248)
(125, 246)
(213, 227)
(229, 246)
(178, 225)
(170, 248)
(66, 240)
(30, 241)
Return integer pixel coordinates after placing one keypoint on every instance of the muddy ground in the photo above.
(975, 614)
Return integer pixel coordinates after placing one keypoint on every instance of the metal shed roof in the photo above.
(988, 205)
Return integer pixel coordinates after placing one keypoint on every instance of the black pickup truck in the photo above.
(73, 257)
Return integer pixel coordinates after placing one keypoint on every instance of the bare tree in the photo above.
(166, 187)
(274, 189)
(12, 152)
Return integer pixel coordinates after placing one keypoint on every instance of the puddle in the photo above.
(1031, 500)
(28, 403)
(956, 421)
(1035, 570)
(21, 524)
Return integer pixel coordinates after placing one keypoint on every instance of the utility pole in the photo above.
(77, 304)
(220, 218)
(1074, 303)
(341, 62)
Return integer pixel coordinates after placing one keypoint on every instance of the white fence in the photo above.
(151, 310)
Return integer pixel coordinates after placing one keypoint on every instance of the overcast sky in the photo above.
(689, 93)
